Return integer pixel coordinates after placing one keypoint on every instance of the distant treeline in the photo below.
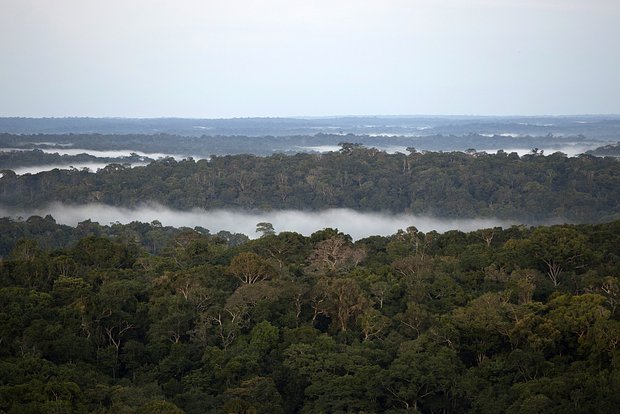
(593, 126)
(517, 320)
(16, 159)
(207, 145)
(612, 150)
(530, 188)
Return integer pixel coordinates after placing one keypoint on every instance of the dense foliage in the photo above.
(532, 187)
(611, 150)
(519, 320)
(227, 144)
(153, 237)
(13, 159)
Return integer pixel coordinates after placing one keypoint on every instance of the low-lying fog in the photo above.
(571, 150)
(109, 153)
(91, 166)
(357, 224)
(99, 153)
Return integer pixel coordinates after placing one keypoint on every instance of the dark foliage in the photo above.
(497, 320)
(530, 188)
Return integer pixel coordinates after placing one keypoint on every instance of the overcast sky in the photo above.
(238, 58)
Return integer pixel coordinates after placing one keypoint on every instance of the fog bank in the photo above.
(109, 153)
(90, 166)
(357, 224)
(63, 150)
(570, 149)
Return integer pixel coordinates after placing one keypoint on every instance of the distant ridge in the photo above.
(592, 126)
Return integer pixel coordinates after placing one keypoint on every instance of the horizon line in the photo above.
(316, 117)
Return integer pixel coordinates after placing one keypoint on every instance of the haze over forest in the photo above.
(195, 271)
(402, 206)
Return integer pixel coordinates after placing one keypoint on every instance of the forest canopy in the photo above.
(144, 318)
(529, 188)
(496, 320)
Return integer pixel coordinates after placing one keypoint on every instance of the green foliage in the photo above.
(454, 184)
(455, 322)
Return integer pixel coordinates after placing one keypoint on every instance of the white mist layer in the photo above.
(108, 153)
(355, 223)
(322, 148)
(59, 144)
(571, 150)
(336, 148)
(102, 154)
(90, 166)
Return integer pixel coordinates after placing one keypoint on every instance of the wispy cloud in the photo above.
(357, 224)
